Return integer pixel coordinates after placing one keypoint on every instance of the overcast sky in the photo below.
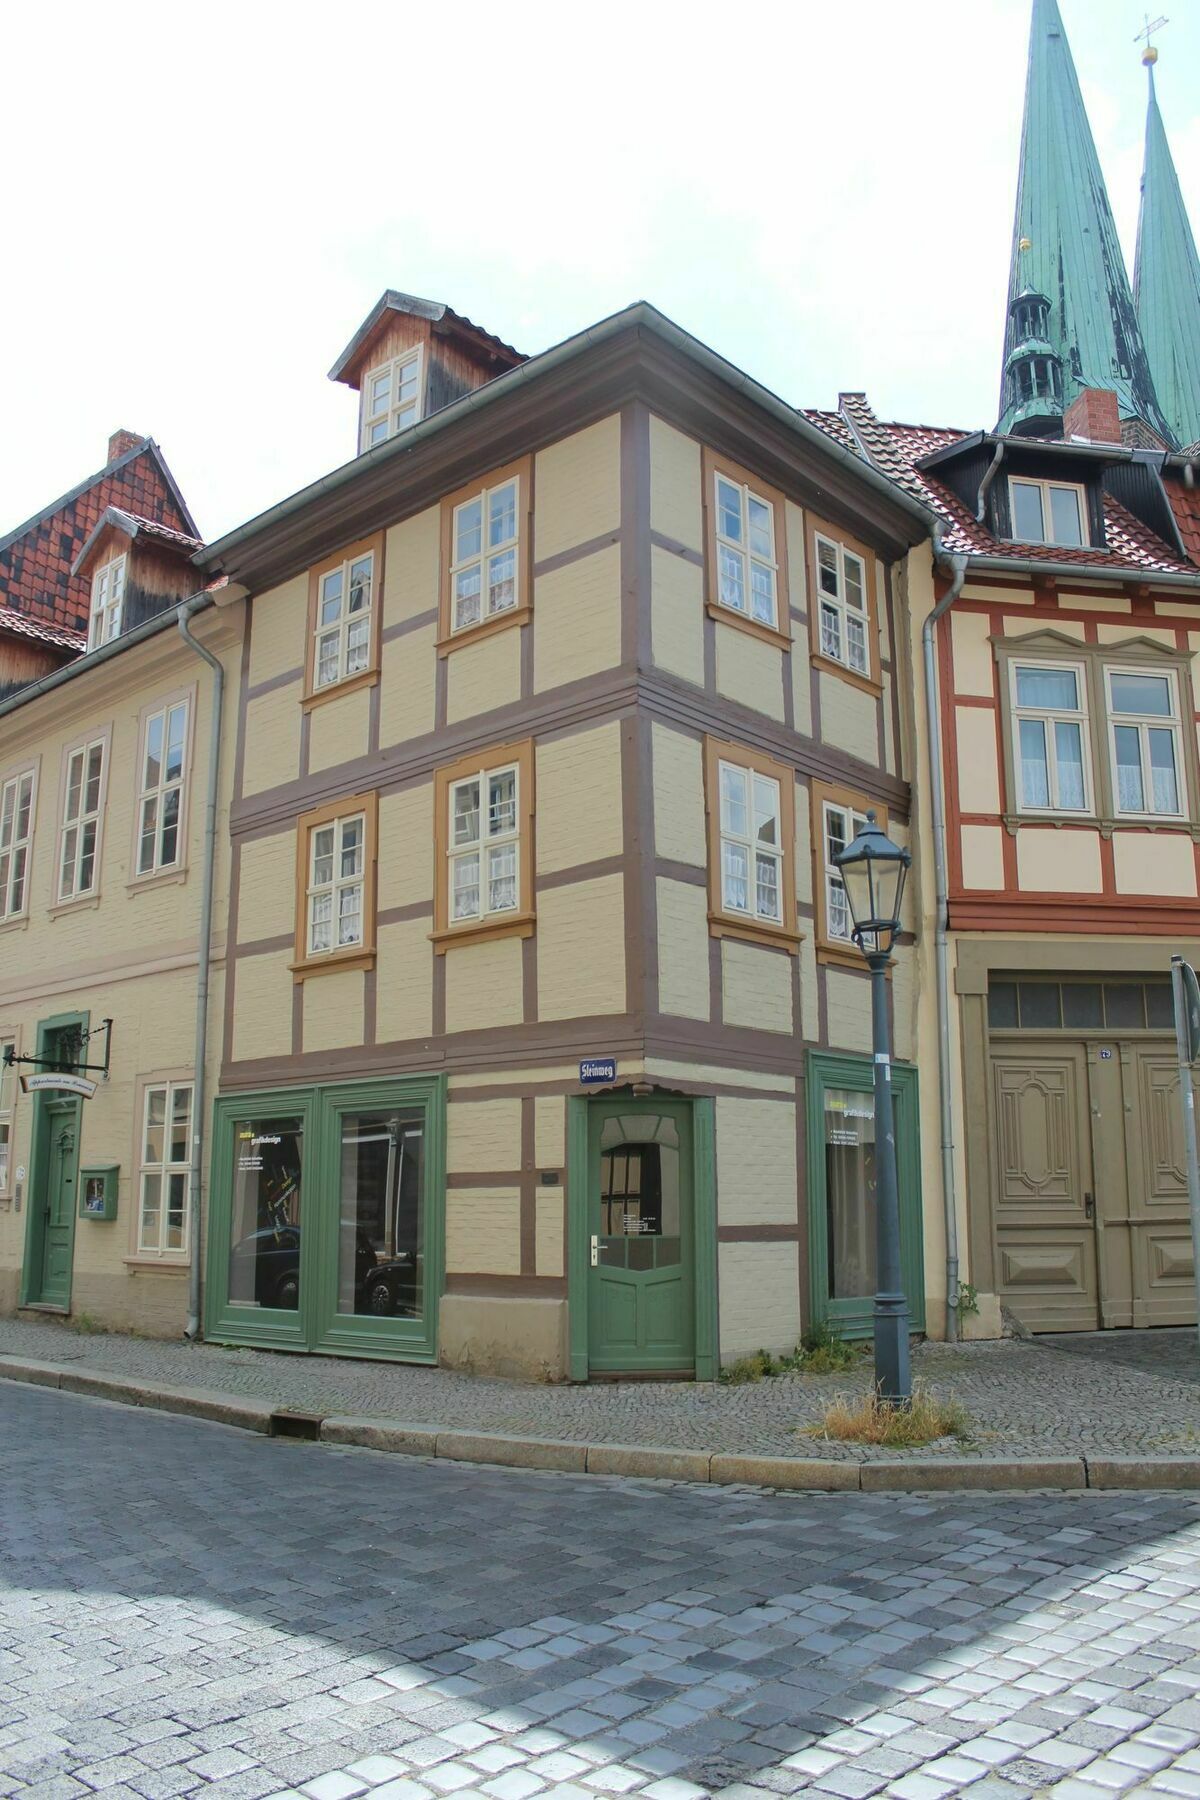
(204, 201)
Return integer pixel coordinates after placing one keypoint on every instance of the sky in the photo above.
(204, 202)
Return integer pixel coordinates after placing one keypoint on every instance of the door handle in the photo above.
(595, 1252)
(1089, 1206)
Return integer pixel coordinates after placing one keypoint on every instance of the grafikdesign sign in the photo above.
(58, 1084)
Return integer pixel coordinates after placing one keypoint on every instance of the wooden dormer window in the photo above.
(108, 602)
(392, 398)
(1048, 512)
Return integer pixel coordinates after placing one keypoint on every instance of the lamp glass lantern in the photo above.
(873, 871)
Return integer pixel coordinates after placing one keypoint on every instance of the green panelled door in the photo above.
(641, 1304)
(60, 1162)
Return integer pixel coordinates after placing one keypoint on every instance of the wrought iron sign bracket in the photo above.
(78, 1068)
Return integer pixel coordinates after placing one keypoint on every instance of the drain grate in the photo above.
(289, 1424)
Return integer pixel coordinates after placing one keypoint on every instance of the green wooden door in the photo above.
(59, 1162)
(641, 1205)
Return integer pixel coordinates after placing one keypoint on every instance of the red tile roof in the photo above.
(36, 558)
(21, 625)
(895, 449)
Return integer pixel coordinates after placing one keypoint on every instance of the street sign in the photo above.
(595, 1071)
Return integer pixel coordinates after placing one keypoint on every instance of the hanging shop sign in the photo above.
(58, 1083)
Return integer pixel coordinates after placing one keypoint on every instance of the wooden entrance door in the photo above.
(54, 1201)
(1144, 1219)
(641, 1310)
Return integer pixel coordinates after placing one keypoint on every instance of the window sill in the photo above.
(335, 689)
(329, 965)
(832, 667)
(521, 925)
(159, 878)
(159, 1265)
(766, 634)
(720, 926)
(19, 922)
(1013, 822)
(471, 634)
(63, 908)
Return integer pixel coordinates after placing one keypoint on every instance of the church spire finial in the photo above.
(1146, 34)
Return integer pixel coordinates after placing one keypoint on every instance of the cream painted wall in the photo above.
(577, 620)
(483, 1231)
(849, 717)
(756, 986)
(577, 484)
(1058, 862)
(412, 553)
(483, 1135)
(1155, 862)
(581, 949)
(848, 1002)
(404, 982)
(579, 805)
(483, 675)
(333, 1010)
(675, 485)
(983, 856)
(749, 671)
(277, 641)
(405, 872)
(267, 892)
(974, 662)
(550, 1233)
(272, 740)
(262, 1023)
(549, 1131)
(978, 770)
(682, 949)
(677, 615)
(759, 1298)
(483, 985)
(407, 686)
(338, 730)
(756, 1162)
(679, 833)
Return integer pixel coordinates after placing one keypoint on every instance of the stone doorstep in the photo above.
(796, 1474)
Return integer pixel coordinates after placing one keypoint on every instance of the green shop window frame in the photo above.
(854, 1318)
(98, 1191)
(316, 1324)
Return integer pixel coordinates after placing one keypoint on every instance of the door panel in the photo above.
(62, 1143)
(1158, 1225)
(1042, 1183)
(640, 1211)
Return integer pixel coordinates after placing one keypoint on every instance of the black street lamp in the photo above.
(873, 872)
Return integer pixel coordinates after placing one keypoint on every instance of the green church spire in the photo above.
(1166, 280)
(1071, 322)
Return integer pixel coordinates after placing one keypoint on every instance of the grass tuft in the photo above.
(820, 1352)
(866, 1419)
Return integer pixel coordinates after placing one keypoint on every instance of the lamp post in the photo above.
(873, 872)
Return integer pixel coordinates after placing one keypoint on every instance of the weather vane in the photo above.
(1150, 54)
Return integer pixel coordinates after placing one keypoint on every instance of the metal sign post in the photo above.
(1185, 991)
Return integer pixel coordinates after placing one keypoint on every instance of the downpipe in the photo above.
(941, 953)
(204, 958)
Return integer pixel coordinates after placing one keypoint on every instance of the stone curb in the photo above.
(793, 1473)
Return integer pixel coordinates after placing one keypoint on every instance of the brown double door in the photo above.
(1089, 1190)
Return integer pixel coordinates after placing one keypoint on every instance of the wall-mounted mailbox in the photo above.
(98, 1191)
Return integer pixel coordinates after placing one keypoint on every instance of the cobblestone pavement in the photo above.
(187, 1609)
(1119, 1393)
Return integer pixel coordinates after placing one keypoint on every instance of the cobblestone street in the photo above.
(187, 1608)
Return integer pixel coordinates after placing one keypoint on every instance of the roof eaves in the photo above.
(391, 300)
(104, 653)
(639, 315)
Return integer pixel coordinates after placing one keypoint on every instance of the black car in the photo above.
(265, 1267)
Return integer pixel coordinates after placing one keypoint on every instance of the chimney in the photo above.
(121, 441)
(1093, 415)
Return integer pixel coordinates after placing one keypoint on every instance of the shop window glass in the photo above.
(850, 1192)
(264, 1257)
(639, 1192)
(381, 1229)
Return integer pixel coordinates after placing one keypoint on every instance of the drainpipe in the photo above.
(204, 959)
(993, 469)
(958, 566)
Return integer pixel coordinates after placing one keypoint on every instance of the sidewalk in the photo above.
(1079, 1401)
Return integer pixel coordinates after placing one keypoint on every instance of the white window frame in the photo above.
(1045, 487)
(16, 849)
(389, 414)
(165, 1171)
(488, 555)
(483, 847)
(156, 794)
(108, 601)
(753, 847)
(1144, 724)
(8, 1107)
(350, 658)
(1049, 717)
(336, 887)
(838, 609)
(73, 826)
(747, 558)
(833, 884)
